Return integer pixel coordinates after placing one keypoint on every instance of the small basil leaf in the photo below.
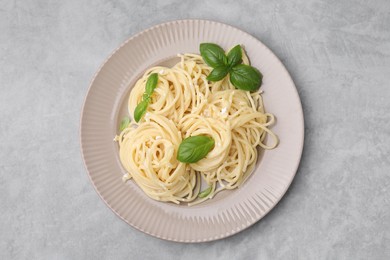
(124, 123)
(140, 110)
(234, 56)
(194, 148)
(205, 193)
(218, 73)
(245, 77)
(151, 83)
(213, 55)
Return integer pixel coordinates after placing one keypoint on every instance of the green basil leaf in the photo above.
(213, 55)
(234, 56)
(205, 193)
(218, 73)
(151, 83)
(245, 77)
(124, 123)
(194, 148)
(140, 110)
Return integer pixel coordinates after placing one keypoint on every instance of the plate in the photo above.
(230, 211)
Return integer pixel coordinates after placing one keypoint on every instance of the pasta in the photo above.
(185, 104)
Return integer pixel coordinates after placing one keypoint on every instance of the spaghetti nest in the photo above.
(185, 104)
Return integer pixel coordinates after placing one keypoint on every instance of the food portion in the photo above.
(195, 127)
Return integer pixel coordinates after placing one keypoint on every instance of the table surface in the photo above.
(338, 54)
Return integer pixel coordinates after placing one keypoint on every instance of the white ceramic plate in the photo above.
(230, 211)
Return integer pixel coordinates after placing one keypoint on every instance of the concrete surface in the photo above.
(338, 53)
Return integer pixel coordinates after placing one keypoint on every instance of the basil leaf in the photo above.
(213, 55)
(245, 77)
(205, 193)
(218, 73)
(151, 83)
(140, 110)
(234, 56)
(194, 148)
(124, 123)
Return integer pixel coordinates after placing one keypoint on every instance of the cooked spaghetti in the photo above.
(185, 104)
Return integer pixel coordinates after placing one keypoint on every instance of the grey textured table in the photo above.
(338, 53)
